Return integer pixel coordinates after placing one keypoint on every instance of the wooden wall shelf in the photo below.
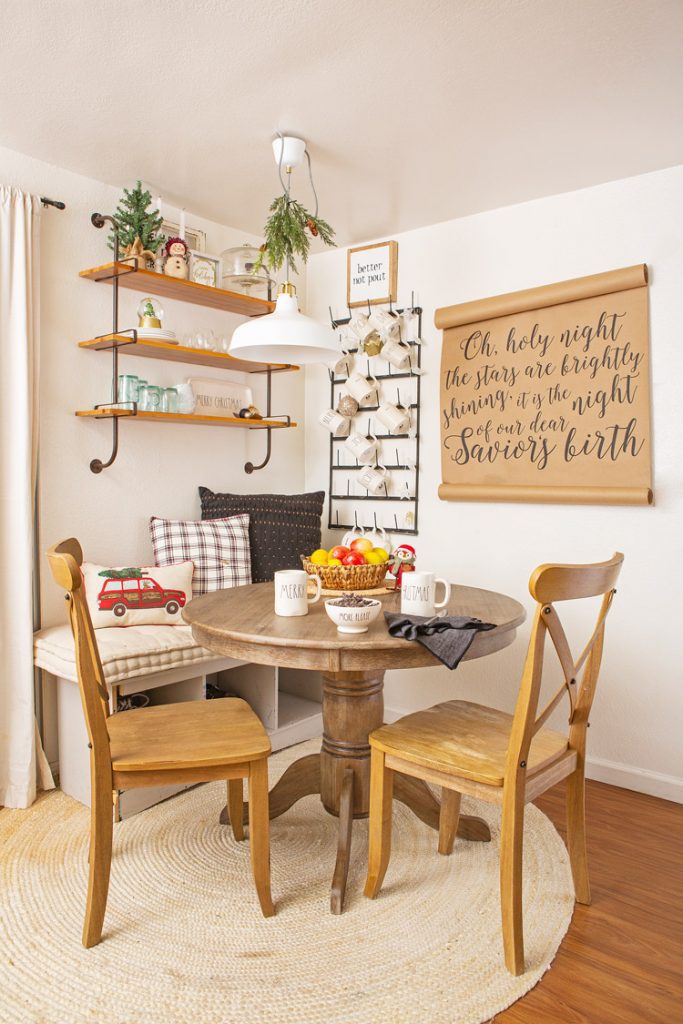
(177, 417)
(173, 288)
(179, 354)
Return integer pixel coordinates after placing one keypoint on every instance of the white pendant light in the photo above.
(285, 336)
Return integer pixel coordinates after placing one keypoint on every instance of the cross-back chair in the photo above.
(189, 742)
(501, 758)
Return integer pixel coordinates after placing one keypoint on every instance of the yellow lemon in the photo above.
(383, 555)
(319, 557)
(375, 557)
(335, 561)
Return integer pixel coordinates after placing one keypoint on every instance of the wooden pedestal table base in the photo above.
(353, 706)
(241, 623)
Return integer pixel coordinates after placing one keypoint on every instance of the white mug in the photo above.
(396, 418)
(360, 446)
(334, 421)
(291, 592)
(418, 591)
(361, 327)
(385, 324)
(343, 366)
(362, 388)
(373, 478)
(397, 353)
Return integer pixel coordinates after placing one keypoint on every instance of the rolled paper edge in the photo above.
(547, 495)
(510, 303)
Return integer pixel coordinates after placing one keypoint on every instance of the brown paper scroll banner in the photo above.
(545, 394)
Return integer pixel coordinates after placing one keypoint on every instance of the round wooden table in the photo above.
(240, 623)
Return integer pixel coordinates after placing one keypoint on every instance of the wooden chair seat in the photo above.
(467, 739)
(191, 734)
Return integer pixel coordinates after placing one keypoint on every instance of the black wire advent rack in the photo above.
(403, 456)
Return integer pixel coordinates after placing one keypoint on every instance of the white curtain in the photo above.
(23, 766)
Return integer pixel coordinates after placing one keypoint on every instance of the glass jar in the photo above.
(149, 398)
(128, 387)
(238, 265)
(169, 400)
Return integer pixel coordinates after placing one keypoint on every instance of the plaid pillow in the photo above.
(219, 550)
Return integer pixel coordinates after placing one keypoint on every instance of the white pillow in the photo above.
(131, 596)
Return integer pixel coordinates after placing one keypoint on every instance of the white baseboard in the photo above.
(626, 776)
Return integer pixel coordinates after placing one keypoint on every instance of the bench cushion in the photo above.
(136, 651)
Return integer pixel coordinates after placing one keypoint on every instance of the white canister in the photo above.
(396, 418)
(291, 591)
(361, 447)
(334, 422)
(373, 478)
(418, 592)
(362, 388)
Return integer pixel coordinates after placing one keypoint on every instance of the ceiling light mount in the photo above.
(288, 151)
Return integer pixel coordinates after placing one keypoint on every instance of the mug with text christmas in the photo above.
(396, 418)
(334, 422)
(373, 478)
(362, 388)
(361, 447)
(291, 591)
(418, 594)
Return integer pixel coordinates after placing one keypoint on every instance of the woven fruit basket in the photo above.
(347, 577)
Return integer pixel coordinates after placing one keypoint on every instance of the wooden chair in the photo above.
(505, 759)
(189, 742)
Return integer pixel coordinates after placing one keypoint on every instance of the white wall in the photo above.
(635, 738)
(159, 466)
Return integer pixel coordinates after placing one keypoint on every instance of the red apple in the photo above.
(339, 552)
(354, 558)
(361, 544)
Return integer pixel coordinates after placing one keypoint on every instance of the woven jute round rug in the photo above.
(184, 941)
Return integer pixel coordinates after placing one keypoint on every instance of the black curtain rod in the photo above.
(53, 202)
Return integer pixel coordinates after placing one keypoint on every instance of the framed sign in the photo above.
(372, 273)
(545, 394)
(205, 269)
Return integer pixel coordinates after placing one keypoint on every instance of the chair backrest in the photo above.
(548, 584)
(65, 561)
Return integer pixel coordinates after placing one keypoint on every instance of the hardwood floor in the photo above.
(621, 961)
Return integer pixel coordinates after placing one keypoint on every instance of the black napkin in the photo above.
(448, 638)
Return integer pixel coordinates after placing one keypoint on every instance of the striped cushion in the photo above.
(219, 549)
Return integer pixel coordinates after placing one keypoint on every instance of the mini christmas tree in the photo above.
(122, 574)
(136, 224)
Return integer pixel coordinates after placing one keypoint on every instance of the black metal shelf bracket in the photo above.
(98, 220)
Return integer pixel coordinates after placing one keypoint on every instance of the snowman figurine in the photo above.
(176, 263)
(402, 560)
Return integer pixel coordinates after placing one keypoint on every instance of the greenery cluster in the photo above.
(122, 574)
(288, 234)
(135, 222)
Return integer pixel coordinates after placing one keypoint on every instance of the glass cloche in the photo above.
(238, 265)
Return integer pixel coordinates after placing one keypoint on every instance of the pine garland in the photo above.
(287, 234)
(135, 222)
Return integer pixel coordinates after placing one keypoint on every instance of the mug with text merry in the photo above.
(334, 421)
(418, 593)
(373, 478)
(362, 388)
(361, 447)
(291, 591)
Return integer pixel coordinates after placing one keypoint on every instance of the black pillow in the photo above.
(281, 526)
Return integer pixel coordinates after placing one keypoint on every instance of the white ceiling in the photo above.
(415, 111)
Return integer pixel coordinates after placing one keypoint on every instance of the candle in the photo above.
(181, 231)
(159, 206)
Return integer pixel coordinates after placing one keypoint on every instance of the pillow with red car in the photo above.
(137, 596)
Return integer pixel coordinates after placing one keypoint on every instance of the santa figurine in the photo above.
(176, 263)
(402, 560)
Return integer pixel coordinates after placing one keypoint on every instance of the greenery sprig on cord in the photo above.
(135, 222)
(288, 234)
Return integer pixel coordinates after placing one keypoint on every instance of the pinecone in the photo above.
(310, 224)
